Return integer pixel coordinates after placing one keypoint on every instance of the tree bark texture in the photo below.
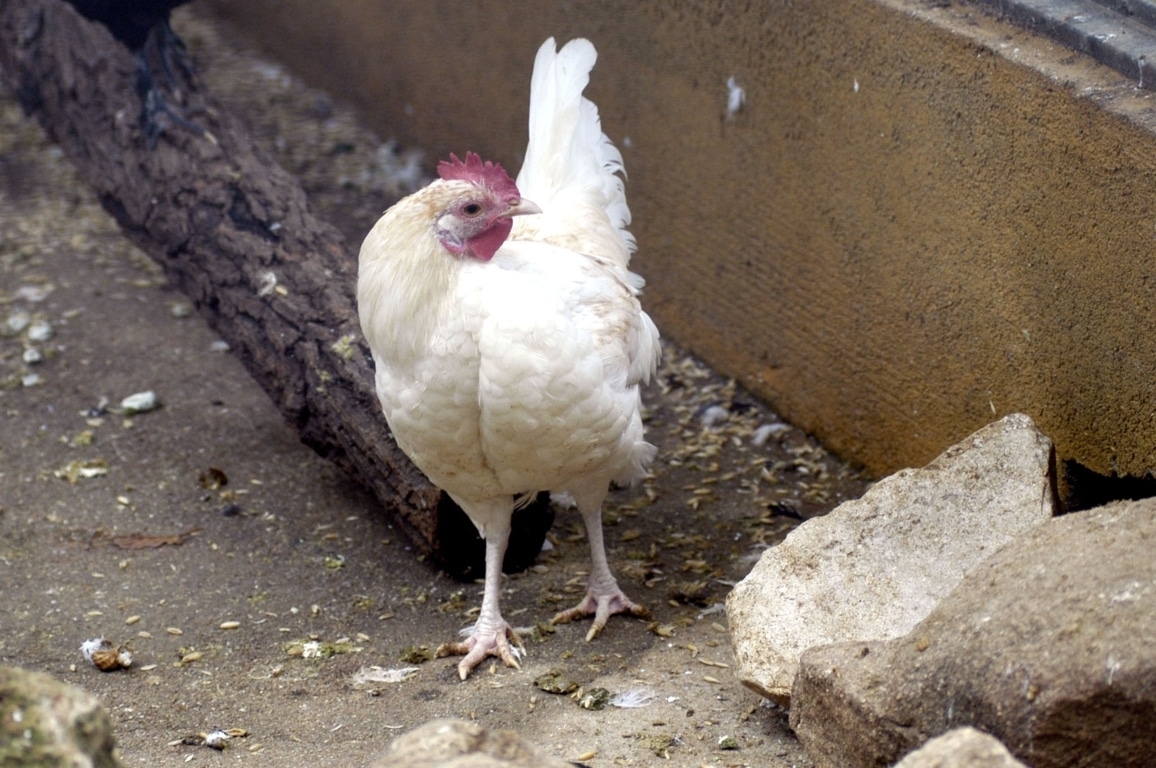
(235, 233)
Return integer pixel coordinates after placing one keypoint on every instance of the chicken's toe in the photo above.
(602, 607)
(479, 645)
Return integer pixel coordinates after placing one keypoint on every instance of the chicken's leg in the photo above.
(603, 597)
(492, 635)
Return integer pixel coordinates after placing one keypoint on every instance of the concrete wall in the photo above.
(921, 220)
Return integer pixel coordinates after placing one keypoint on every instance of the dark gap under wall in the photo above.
(1085, 489)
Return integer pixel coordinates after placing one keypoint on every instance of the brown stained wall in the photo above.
(964, 236)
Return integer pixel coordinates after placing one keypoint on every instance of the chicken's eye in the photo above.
(471, 209)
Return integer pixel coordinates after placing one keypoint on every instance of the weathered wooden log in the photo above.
(235, 233)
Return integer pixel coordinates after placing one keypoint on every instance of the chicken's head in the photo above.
(477, 221)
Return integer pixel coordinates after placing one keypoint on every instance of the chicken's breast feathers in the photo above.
(560, 367)
(530, 380)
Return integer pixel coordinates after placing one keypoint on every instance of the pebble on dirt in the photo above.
(141, 402)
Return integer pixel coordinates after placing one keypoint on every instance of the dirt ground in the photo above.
(207, 539)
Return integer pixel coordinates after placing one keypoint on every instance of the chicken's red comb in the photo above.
(490, 175)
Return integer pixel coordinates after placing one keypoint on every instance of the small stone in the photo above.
(40, 331)
(141, 402)
(17, 322)
(34, 293)
(457, 742)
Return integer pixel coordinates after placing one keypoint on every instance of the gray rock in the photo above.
(961, 748)
(462, 744)
(875, 566)
(47, 724)
(1047, 646)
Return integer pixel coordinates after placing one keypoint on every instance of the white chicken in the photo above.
(509, 352)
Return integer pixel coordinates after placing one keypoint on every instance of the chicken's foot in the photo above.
(603, 596)
(492, 635)
(602, 607)
(504, 644)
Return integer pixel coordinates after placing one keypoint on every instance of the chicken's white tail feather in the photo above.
(571, 166)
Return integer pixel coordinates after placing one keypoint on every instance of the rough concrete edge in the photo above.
(1124, 43)
(981, 22)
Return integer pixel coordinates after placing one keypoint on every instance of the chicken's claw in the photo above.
(602, 607)
(504, 644)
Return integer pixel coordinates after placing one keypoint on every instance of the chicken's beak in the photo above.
(522, 207)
